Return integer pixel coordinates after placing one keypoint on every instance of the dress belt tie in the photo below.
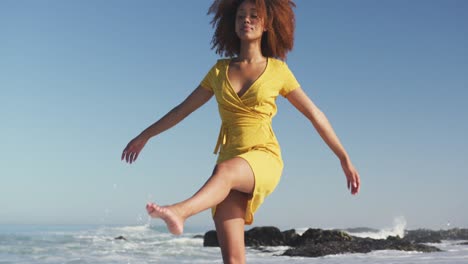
(221, 138)
(224, 127)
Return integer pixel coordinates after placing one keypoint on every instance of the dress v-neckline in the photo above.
(253, 83)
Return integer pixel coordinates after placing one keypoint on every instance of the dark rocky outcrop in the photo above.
(210, 239)
(361, 230)
(318, 242)
(348, 244)
(435, 236)
(291, 238)
(318, 236)
(264, 236)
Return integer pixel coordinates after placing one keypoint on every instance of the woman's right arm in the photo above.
(196, 99)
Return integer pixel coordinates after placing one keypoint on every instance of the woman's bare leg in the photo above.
(229, 222)
(233, 174)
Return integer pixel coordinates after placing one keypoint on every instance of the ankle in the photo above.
(180, 211)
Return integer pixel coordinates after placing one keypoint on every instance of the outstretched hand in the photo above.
(352, 177)
(133, 148)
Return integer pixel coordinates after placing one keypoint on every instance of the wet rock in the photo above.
(435, 236)
(291, 238)
(318, 242)
(120, 238)
(361, 230)
(316, 236)
(210, 239)
(455, 234)
(337, 244)
(423, 236)
(264, 236)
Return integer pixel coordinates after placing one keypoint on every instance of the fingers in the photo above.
(125, 153)
(129, 156)
(354, 189)
(358, 184)
(133, 149)
(352, 178)
(355, 184)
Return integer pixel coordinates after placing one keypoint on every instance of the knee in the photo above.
(224, 171)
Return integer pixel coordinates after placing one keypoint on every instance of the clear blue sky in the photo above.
(79, 79)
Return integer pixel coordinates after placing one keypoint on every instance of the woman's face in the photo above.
(249, 26)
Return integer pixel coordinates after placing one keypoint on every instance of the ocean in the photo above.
(152, 244)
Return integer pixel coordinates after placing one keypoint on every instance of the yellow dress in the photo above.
(246, 130)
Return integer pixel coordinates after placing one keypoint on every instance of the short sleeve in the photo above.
(290, 83)
(209, 80)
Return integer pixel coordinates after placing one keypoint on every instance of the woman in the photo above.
(253, 34)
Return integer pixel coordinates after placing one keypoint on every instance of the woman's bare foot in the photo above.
(174, 222)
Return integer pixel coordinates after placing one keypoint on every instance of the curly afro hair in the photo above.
(279, 20)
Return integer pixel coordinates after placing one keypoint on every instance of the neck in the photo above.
(250, 52)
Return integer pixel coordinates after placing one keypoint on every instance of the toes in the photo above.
(151, 207)
(157, 208)
(154, 208)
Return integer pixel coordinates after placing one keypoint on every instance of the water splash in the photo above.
(399, 226)
(139, 219)
(398, 229)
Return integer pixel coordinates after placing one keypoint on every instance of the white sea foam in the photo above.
(398, 229)
(138, 228)
(149, 244)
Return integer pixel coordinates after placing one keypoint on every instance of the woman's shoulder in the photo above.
(277, 63)
(222, 62)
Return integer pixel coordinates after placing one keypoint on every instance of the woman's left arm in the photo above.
(304, 104)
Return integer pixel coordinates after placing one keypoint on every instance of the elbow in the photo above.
(315, 115)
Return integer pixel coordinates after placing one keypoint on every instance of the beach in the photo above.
(97, 244)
